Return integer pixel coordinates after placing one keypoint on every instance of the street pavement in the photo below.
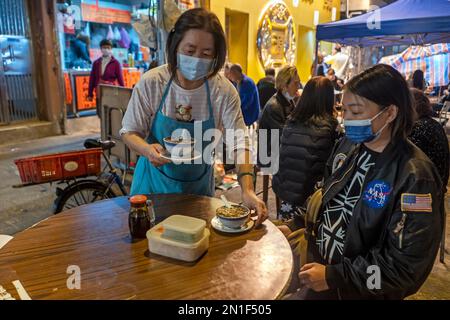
(22, 208)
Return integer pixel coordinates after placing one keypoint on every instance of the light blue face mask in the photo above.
(193, 68)
(360, 131)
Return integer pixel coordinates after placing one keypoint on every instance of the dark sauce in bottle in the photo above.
(139, 220)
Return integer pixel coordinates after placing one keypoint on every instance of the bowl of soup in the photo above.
(235, 217)
(179, 147)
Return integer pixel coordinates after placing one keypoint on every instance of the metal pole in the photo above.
(359, 58)
(316, 60)
(162, 34)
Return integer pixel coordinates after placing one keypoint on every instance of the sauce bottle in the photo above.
(139, 220)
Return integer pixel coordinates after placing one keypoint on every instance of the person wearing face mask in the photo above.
(279, 107)
(381, 203)
(306, 143)
(105, 70)
(189, 95)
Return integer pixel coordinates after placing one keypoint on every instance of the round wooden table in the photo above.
(95, 238)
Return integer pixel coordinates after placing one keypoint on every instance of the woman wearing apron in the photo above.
(187, 94)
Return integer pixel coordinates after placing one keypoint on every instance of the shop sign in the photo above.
(82, 91)
(68, 88)
(93, 13)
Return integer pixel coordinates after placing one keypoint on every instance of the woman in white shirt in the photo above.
(188, 94)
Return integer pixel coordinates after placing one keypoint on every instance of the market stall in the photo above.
(404, 22)
(82, 25)
(433, 60)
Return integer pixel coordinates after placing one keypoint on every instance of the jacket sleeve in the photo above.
(93, 81)
(246, 97)
(119, 75)
(404, 259)
(272, 117)
(329, 165)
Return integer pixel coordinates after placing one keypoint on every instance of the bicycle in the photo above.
(81, 189)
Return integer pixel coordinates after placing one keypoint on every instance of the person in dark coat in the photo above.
(430, 136)
(418, 80)
(338, 84)
(266, 87)
(307, 142)
(380, 219)
(276, 112)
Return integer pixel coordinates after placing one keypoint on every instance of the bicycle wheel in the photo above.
(81, 193)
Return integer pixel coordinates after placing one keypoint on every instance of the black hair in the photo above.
(385, 86)
(270, 72)
(317, 101)
(421, 103)
(106, 43)
(418, 80)
(200, 19)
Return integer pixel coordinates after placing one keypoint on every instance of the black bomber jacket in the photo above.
(394, 228)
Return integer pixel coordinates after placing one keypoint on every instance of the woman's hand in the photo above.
(285, 230)
(153, 155)
(312, 276)
(252, 201)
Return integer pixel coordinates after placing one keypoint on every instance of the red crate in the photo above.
(60, 166)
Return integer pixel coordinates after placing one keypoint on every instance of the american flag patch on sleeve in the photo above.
(416, 202)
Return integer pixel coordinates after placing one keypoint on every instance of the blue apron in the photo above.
(195, 179)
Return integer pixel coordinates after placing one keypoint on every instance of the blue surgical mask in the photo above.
(193, 68)
(360, 131)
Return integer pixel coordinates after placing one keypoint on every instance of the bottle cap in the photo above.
(140, 199)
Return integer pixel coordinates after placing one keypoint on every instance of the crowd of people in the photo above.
(381, 169)
(359, 188)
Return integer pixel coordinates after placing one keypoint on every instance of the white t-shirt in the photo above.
(148, 93)
(105, 62)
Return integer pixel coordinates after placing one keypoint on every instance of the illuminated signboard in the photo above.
(93, 13)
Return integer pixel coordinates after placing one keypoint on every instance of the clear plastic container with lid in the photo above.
(184, 251)
(183, 228)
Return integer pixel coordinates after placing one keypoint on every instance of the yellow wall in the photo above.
(238, 41)
(303, 17)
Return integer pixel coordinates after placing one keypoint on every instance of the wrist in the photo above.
(249, 177)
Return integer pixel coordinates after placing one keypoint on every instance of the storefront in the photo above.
(260, 34)
(82, 25)
(273, 33)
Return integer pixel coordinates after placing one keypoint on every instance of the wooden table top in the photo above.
(253, 265)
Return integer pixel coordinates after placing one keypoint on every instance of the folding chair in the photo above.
(443, 114)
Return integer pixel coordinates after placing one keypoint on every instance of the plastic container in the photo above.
(188, 252)
(183, 228)
(60, 166)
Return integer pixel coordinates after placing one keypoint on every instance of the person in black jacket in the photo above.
(418, 80)
(266, 87)
(275, 114)
(430, 136)
(381, 217)
(306, 144)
